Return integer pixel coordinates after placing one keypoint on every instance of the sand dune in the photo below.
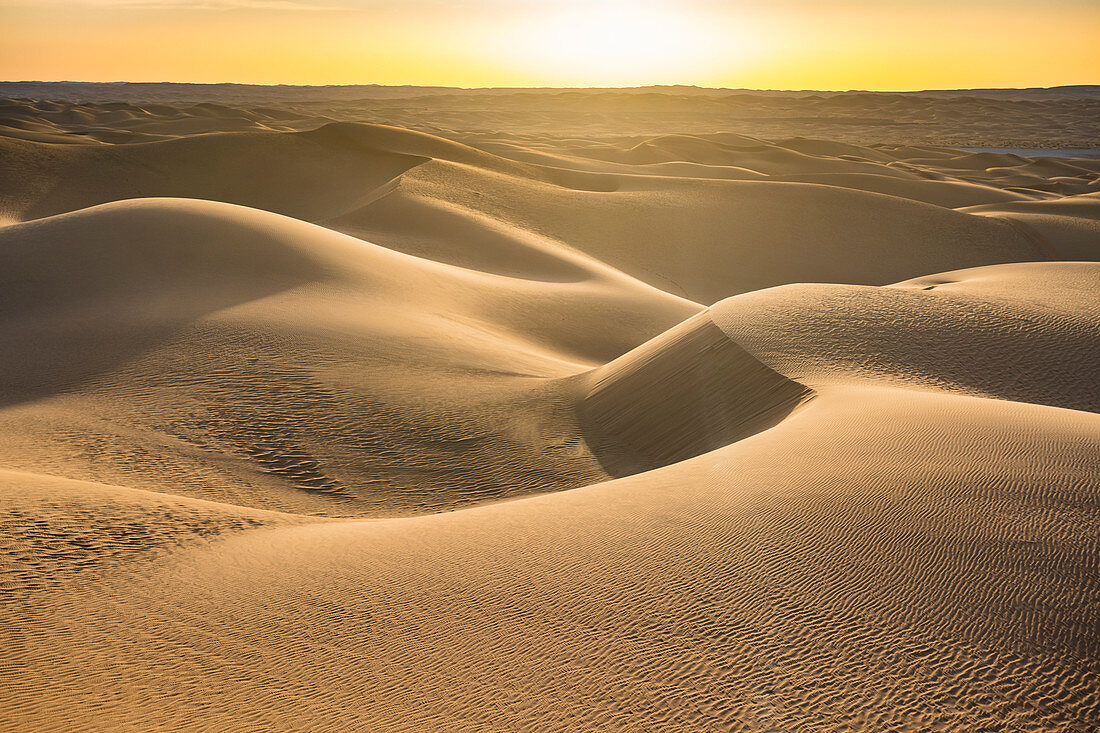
(1071, 224)
(264, 171)
(180, 322)
(314, 424)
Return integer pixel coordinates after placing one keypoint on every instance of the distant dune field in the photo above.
(309, 422)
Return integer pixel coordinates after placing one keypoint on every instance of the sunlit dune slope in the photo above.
(707, 239)
(1023, 332)
(1069, 225)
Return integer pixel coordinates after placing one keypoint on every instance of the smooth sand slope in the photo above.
(360, 428)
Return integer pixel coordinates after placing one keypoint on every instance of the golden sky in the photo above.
(787, 44)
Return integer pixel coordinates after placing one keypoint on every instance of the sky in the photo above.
(759, 44)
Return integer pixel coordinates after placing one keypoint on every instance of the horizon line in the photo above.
(562, 88)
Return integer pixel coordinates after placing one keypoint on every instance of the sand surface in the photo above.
(313, 423)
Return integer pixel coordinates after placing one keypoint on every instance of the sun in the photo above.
(616, 43)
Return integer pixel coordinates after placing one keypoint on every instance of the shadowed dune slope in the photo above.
(315, 174)
(686, 392)
(304, 175)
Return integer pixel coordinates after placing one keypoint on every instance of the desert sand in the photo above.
(309, 422)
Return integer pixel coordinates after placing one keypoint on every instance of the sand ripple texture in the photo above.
(316, 424)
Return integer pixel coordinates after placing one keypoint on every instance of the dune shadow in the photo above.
(686, 392)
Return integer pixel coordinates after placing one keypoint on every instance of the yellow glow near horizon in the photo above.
(618, 43)
(784, 44)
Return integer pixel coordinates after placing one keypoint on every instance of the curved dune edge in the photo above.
(1023, 332)
(686, 392)
(1069, 226)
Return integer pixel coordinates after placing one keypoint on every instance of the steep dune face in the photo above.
(688, 391)
(358, 427)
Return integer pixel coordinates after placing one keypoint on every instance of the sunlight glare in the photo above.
(619, 43)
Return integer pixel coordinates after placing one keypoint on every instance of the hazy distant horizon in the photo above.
(1092, 87)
